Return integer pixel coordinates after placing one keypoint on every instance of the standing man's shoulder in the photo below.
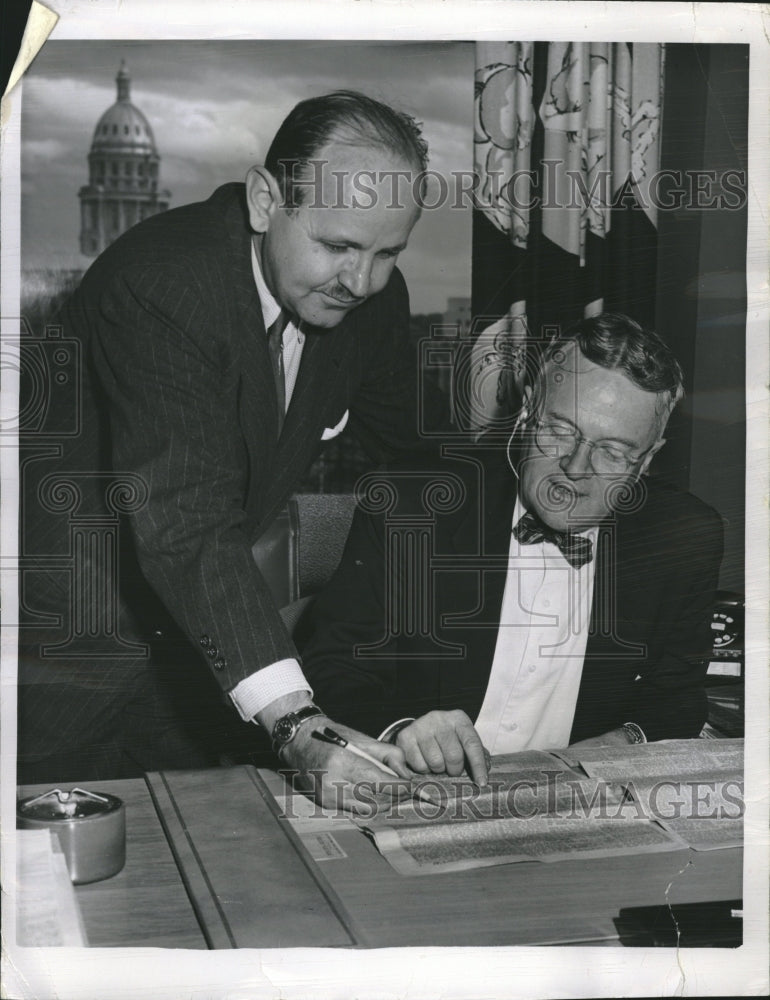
(186, 270)
(189, 236)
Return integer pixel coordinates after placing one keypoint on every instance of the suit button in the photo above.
(212, 651)
(205, 641)
(220, 664)
(158, 633)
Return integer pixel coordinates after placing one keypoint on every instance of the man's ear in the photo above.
(649, 457)
(263, 197)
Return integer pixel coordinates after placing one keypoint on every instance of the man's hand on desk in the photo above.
(444, 743)
(339, 768)
(331, 772)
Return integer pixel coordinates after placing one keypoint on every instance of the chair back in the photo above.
(301, 549)
(320, 523)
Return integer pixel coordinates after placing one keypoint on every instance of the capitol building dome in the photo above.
(123, 173)
(123, 126)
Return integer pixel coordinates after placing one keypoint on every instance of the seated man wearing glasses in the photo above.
(533, 595)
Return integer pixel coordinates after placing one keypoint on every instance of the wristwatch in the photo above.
(286, 728)
(634, 733)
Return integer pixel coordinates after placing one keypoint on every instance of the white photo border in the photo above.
(113, 974)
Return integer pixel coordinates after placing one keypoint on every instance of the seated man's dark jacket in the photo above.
(178, 403)
(428, 628)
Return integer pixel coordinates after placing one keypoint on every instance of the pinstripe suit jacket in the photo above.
(179, 393)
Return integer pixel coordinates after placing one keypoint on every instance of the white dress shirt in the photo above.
(257, 690)
(541, 642)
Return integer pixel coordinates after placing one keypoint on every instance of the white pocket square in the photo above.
(332, 432)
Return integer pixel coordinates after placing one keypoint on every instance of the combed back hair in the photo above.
(349, 118)
(616, 342)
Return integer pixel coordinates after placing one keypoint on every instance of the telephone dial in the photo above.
(727, 622)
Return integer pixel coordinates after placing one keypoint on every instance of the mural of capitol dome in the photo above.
(124, 169)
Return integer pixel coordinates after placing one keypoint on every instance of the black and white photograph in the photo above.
(384, 500)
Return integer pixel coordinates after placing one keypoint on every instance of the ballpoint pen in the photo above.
(330, 736)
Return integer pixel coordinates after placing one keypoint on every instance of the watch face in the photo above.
(284, 730)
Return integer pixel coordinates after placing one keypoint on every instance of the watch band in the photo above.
(286, 728)
(389, 735)
(634, 733)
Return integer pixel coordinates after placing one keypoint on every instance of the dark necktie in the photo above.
(576, 550)
(275, 346)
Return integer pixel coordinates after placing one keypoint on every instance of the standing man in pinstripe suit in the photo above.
(221, 341)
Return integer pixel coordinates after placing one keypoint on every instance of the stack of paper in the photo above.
(47, 913)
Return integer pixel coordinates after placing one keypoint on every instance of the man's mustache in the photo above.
(342, 295)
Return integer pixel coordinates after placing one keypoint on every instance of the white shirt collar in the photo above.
(270, 308)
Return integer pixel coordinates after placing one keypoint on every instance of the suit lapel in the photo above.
(619, 585)
(624, 595)
(320, 382)
(276, 464)
(257, 404)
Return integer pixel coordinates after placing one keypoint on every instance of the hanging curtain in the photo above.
(566, 145)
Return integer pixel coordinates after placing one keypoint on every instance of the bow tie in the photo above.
(576, 550)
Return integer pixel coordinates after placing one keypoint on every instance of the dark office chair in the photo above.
(302, 548)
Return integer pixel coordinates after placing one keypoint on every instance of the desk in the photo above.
(252, 882)
(144, 905)
(357, 895)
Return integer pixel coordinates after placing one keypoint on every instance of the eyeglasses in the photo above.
(560, 440)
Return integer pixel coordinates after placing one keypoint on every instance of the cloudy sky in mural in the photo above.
(214, 106)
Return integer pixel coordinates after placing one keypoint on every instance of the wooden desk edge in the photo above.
(203, 897)
(200, 892)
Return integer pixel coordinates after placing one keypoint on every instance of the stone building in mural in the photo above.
(123, 169)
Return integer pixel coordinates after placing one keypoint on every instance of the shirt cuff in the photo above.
(386, 736)
(256, 692)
